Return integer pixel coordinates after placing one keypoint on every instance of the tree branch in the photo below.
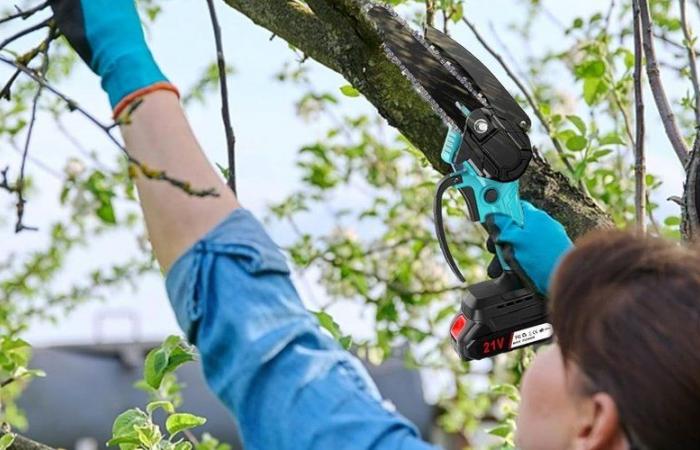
(430, 12)
(337, 34)
(151, 174)
(24, 14)
(23, 443)
(690, 224)
(692, 60)
(662, 104)
(25, 32)
(640, 195)
(225, 110)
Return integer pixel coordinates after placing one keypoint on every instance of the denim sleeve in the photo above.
(289, 386)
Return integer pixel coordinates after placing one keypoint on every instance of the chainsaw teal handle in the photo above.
(484, 197)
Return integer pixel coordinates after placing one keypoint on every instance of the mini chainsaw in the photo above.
(488, 149)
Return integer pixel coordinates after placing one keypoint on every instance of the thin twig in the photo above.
(692, 60)
(430, 12)
(21, 202)
(41, 72)
(24, 14)
(667, 40)
(25, 59)
(625, 115)
(25, 32)
(525, 92)
(5, 181)
(6, 90)
(660, 98)
(650, 214)
(608, 16)
(149, 173)
(225, 110)
(640, 194)
(191, 437)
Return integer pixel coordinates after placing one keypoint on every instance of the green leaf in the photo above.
(162, 404)
(500, 431)
(149, 435)
(507, 390)
(6, 440)
(165, 359)
(629, 59)
(22, 371)
(595, 68)
(124, 431)
(592, 87)
(600, 154)
(183, 445)
(124, 442)
(154, 367)
(9, 344)
(576, 143)
(578, 123)
(649, 179)
(326, 321)
(178, 357)
(345, 342)
(349, 91)
(672, 221)
(611, 139)
(183, 421)
(224, 170)
(106, 213)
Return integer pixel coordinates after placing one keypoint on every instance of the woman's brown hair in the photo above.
(626, 310)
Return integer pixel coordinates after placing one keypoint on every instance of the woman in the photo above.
(625, 372)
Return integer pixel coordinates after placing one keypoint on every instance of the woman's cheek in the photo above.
(546, 416)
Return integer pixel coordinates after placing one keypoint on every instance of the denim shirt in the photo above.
(289, 385)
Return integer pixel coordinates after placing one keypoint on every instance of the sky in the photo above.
(268, 136)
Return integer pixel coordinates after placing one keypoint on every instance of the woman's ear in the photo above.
(599, 426)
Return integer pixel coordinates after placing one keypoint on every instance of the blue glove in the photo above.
(535, 248)
(107, 35)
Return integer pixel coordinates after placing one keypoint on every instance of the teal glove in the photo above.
(107, 35)
(535, 248)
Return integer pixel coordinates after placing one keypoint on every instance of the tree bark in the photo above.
(23, 443)
(690, 224)
(338, 35)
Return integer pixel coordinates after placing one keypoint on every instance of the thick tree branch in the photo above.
(338, 35)
(23, 443)
(657, 88)
(640, 194)
(690, 225)
(692, 60)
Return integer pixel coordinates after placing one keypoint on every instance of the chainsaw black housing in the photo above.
(497, 148)
(498, 316)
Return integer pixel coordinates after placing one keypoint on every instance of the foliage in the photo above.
(136, 429)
